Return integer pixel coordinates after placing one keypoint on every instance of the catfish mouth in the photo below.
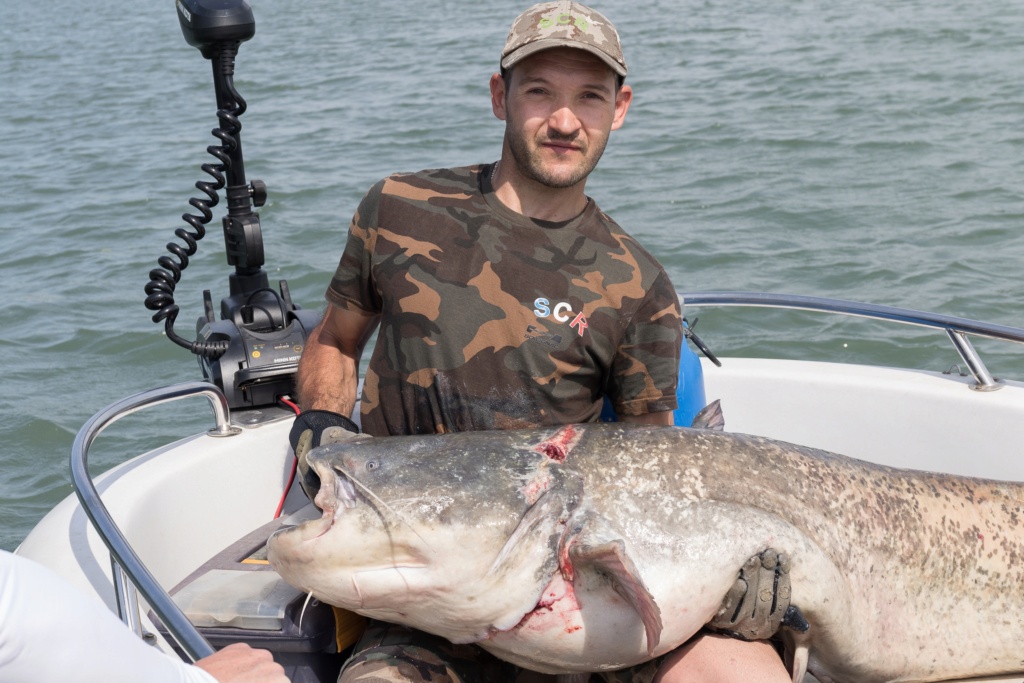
(340, 494)
(337, 493)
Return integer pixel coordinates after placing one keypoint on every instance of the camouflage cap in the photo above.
(563, 24)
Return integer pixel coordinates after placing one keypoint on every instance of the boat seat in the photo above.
(237, 597)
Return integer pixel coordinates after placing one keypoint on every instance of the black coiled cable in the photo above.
(162, 281)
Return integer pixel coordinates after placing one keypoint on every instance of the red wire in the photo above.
(295, 461)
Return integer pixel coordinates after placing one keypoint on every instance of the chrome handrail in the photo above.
(124, 560)
(955, 328)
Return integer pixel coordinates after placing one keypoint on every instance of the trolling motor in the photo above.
(252, 352)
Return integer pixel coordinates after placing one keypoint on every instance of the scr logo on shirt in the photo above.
(562, 312)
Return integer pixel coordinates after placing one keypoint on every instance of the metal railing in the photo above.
(129, 573)
(955, 328)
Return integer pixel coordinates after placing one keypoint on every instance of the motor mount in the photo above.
(252, 351)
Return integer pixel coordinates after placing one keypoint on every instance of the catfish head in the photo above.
(455, 536)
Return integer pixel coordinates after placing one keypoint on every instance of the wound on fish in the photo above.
(557, 610)
(553, 451)
(558, 446)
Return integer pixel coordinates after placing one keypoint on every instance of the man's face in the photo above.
(559, 108)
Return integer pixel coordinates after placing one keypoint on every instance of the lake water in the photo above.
(861, 150)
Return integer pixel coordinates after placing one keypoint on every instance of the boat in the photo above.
(171, 539)
(168, 520)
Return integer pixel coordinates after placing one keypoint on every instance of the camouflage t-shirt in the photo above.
(492, 320)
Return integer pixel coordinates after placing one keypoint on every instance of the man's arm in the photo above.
(329, 369)
(662, 418)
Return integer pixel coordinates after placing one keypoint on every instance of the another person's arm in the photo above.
(239, 663)
(50, 631)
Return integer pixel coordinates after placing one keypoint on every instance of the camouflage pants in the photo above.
(387, 653)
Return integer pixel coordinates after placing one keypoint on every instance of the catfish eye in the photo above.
(372, 464)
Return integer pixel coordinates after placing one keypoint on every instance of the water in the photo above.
(861, 150)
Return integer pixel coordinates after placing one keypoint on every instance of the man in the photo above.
(78, 639)
(505, 297)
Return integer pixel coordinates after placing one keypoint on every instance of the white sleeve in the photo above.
(51, 632)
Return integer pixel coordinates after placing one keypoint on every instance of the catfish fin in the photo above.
(535, 531)
(613, 559)
(710, 417)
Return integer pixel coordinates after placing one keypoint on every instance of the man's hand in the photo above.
(754, 607)
(239, 663)
(317, 428)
